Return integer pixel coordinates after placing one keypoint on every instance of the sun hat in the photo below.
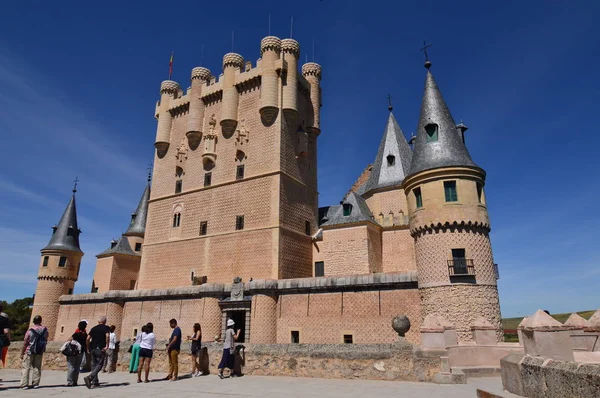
(230, 322)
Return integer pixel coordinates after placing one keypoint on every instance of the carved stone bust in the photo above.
(237, 289)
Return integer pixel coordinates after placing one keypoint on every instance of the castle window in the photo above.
(62, 262)
(113, 243)
(178, 186)
(307, 228)
(138, 247)
(479, 192)
(45, 263)
(320, 268)
(239, 223)
(70, 291)
(348, 339)
(295, 337)
(132, 284)
(391, 160)
(418, 197)
(450, 191)
(207, 179)
(432, 132)
(176, 220)
(62, 329)
(239, 174)
(347, 209)
(203, 227)
(135, 332)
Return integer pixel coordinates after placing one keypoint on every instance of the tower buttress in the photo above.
(449, 222)
(59, 268)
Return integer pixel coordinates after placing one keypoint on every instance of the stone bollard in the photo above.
(520, 330)
(593, 330)
(484, 333)
(579, 341)
(450, 335)
(544, 336)
(432, 333)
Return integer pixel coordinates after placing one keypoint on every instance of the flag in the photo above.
(171, 64)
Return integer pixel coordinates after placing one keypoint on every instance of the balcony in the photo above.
(461, 270)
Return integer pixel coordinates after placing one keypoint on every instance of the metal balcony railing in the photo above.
(461, 266)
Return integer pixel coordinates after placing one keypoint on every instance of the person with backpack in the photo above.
(97, 343)
(34, 346)
(74, 362)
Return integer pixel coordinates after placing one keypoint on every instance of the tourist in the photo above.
(135, 351)
(109, 359)
(34, 346)
(74, 362)
(228, 347)
(196, 339)
(147, 342)
(4, 335)
(97, 343)
(173, 348)
(85, 352)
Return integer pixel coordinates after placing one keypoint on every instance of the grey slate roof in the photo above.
(334, 215)
(137, 227)
(121, 247)
(66, 234)
(449, 149)
(393, 143)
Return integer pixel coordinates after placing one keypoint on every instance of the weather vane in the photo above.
(149, 172)
(424, 49)
(389, 98)
(75, 181)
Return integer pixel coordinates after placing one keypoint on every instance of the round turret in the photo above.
(291, 51)
(168, 90)
(311, 69)
(169, 87)
(270, 43)
(270, 48)
(232, 62)
(290, 46)
(201, 73)
(312, 73)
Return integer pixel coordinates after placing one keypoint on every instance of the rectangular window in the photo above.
(134, 332)
(347, 209)
(295, 338)
(479, 192)
(178, 186)
(207, 179)
(95, 290)
(176, 220)
(62, 262)
(348, 339)
(203, 227)
(138, 247)
(307, 228)
(70, 291)
(45, 263)
(62, 329)
(320, 268)
(239, 174)
(450, 191)
(239, 222)
(459, 261)
(432, 132)
(418, 197)
(132, 284)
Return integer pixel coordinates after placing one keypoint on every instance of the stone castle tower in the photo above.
(449, 220)
(59, 267)
(234, 190)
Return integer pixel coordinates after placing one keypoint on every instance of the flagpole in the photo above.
(171, 64)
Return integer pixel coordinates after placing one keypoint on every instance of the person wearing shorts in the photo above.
(147, 343)
(196, 339)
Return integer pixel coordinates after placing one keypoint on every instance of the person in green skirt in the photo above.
(135, 352)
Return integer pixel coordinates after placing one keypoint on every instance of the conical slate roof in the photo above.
(122, 246)
(137, 227)
(359, 212)
(393, 159)
(66, 234)
(449, 149)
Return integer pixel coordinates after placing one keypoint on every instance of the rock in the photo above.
(291, 363)
(380, 366)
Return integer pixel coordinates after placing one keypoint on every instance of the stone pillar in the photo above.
(168, 90)
(211, 318)
(264, 319)
(484, 333)
(232, 63)
(544, 336)
(270, 48)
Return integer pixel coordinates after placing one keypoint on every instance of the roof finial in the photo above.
(75, 181)
(424, 49)
(390, 107)
(149, 172)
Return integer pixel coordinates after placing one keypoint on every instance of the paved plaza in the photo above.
(124, 385)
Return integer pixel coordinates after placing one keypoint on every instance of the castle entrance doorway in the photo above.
(239, 317)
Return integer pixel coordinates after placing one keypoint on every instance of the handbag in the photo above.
(71, 348)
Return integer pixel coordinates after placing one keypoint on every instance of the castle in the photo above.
(229, 226)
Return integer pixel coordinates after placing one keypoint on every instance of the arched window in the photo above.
(176, 220)
(391, 160)
(432, 132)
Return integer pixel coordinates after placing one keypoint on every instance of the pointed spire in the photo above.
(65, 235)
(393, 159)
(120, 246)
(137, 227)
(442, 147)
(351, 210)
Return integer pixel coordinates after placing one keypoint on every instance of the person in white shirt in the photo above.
(110, 359)
(146, 348)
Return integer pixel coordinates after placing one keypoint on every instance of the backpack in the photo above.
(38, 341)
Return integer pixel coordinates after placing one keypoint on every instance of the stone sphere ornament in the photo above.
(401, 324)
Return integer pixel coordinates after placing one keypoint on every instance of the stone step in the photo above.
(478, 371)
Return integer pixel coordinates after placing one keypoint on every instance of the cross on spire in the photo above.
(389, 98)
(75, 182)
(149, 172)
(424, 49)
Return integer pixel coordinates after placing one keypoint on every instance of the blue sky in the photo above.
(78, 84)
